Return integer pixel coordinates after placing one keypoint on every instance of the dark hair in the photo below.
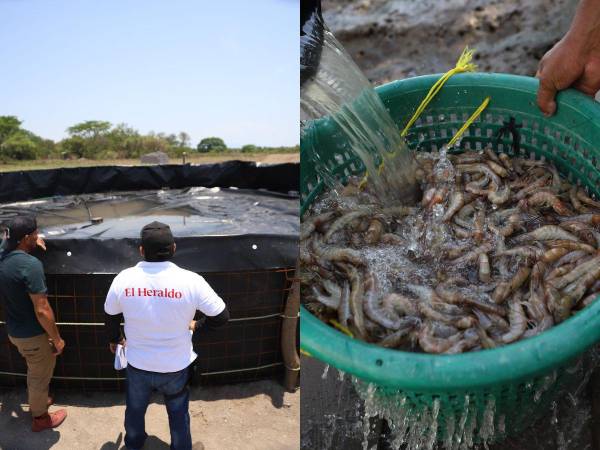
(17, 228)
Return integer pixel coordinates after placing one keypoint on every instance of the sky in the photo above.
(210, 68)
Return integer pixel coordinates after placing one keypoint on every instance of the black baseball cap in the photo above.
(18, 227)
(157, 241)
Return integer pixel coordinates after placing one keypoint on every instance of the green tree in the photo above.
(8, 125)
(89, 129)
(249, 148)
(184, 139)
(75, 146)
(210, 144)
(18, 146)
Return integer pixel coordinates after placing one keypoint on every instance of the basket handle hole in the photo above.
(379, 362)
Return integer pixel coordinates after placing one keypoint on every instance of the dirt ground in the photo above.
(265, 158)
(396, 39)
(249, 416)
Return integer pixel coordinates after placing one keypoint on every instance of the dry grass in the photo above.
(268, 158)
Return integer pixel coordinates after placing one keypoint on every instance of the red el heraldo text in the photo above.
(145, 292)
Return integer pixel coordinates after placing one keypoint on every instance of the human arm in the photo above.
(211, 322)
(574, 61)
(112, 328)
(211, 305)
(45, 317)
(112, 317)
(35, 283)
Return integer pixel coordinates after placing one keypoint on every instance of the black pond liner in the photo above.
(235, 223)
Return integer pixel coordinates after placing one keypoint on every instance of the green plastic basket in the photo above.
(523, 377)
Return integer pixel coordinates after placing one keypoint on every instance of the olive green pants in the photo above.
(40, 367)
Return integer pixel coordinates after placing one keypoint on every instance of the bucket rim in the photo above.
(430, 373)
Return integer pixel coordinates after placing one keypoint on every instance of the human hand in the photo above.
(192, 325)
(58, 345)
(113, 346)
(574, 61)
(40, 243)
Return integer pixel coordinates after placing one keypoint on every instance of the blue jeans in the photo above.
(140, 384)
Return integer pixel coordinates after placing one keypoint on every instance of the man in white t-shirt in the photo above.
(158, 301)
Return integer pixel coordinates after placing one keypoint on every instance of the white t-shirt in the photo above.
(158, 301)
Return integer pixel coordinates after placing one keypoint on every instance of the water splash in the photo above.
(341, 98)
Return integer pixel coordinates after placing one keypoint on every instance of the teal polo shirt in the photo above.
(20, 275)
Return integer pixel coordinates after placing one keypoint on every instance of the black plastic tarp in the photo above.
(15, 186)
(252, 226)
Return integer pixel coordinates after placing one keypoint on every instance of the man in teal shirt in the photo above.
(30, 320)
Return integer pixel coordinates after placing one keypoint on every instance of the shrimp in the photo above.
(525, 251)
(336, 254)
(581, 230)
(459, 296)
(587, 301)
(480, 168)
(576, 273)
(546, 233)
(490, 320)
(484, 268)
(457, 201)
(391, 239)
(505, 288)
(554, 254)
(491, 155)
(344, 221)
(473, 254)
(478, 225)
(531, 187)
(428, 312)
(575, 200)
(500, 196)
(374, 232)
(587, 200)
(315, 223)
(513, 223)
(506, 161)
(431, 344)
(590, 219)
(486, 340)
(374, 309)
(468, 342)
(560, 271)
(400, 303)
(395, 339)
(570, 245)
(571, 257)
(517, 320)
(335, 292)
(344, 305)
(356, 299)
(545, 199)
(497, 168)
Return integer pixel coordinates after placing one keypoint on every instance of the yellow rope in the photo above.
(468, 122)
(341, 327)
(463, 64)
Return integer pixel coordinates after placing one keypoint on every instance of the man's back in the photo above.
(158, 300)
